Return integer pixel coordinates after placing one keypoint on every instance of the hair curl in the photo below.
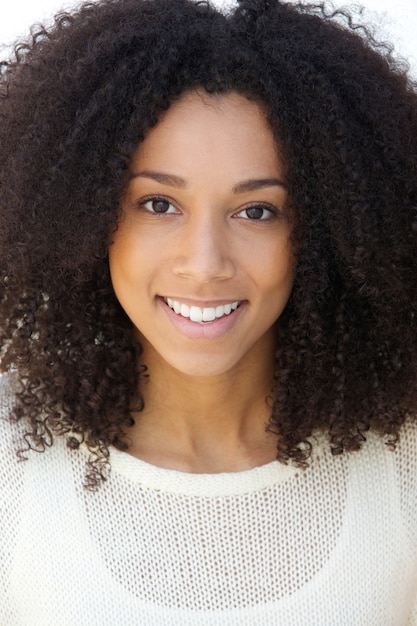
(76, 100)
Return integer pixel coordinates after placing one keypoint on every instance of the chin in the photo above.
(202, 368)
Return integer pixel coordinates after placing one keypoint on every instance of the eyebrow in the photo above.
(181, 183)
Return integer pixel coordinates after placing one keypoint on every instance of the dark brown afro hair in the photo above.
(76, 100)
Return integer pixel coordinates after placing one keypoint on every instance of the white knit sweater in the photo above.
(333, 545)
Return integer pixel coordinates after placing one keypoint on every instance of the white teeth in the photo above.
(209, 314)
(196, 314)
(219, 311)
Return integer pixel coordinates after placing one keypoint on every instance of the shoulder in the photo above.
(396, 465)
(21, 459)
(377, 482)
(8, 383)
(384, 482)
(405, 460)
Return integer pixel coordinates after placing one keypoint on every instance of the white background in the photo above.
(394, 21)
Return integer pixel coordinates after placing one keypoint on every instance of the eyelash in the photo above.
(273, 212)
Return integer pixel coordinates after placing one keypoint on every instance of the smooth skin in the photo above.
(204, 224)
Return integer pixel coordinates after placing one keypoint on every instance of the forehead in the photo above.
(211, 130)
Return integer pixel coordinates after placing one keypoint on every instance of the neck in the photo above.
(205, 424)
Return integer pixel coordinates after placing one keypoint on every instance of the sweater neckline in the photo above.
(204, 485)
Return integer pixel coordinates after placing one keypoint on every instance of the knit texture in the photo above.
(333, 544)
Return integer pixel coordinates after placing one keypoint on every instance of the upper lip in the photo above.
(203, 303)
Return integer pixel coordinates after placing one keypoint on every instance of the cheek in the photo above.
(126, 250)
(124, 262)
(136, 266)
(279, 263)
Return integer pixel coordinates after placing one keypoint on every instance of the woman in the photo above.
(208, 320)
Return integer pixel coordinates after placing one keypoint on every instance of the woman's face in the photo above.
(201, 260)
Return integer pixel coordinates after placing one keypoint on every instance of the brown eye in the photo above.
(159, 206)
(257, 213)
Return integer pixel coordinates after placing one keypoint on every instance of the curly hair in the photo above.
(76, 100)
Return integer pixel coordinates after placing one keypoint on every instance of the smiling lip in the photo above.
(201, 314)
(210, 329)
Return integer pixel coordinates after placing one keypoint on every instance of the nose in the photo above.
(203, 251)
